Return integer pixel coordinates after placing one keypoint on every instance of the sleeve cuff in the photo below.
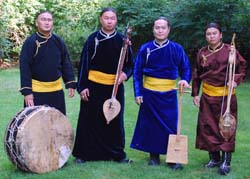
(26, 91)
(71, 84)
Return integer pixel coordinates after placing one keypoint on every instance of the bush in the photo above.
(140, 14)
(191, 16)
(16, 22)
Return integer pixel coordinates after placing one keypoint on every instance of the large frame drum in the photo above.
(39, 139)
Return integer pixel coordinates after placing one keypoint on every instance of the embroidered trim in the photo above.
(70, 82)
(158, 47)
(204, 57)
(24, 88)
(38, 44)
(106, 37)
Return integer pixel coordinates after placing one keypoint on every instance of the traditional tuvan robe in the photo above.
(44, 63)
(210, 73)
(156, 71)
(95, 139)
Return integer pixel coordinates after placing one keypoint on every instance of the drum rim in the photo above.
(7, 135)
(13, 156)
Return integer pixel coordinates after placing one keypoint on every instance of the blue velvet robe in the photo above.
(158, 113)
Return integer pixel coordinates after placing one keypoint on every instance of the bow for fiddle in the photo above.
(112, 107)
(227, 122)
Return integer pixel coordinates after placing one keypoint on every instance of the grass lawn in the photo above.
(12, 102)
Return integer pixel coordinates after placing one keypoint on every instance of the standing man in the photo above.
(95, 139)
(211, 74)
(158, 65)
(44, 63)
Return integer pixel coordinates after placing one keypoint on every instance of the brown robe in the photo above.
(213, 70)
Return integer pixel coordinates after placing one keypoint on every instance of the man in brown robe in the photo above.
(211, 73)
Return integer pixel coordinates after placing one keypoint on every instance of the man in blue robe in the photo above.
(44, 63)
(95, 139)
(158, 65)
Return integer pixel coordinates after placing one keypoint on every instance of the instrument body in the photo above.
(39, 139)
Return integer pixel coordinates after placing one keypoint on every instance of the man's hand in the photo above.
(139, 100)
(196, 101)
(122, 78)
(85, 94)
(234, 84)
(29, 100)
(71, 92)
(184, 83)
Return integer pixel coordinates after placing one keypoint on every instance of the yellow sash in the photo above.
(40, 86)
(102, 78)
(214, 90)
(158, 84)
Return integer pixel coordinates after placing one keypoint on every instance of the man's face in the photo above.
(108, 21)
(161, 30)
(44, 23)
(213, 36)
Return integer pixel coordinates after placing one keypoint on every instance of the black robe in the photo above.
(47, 63)
(95, 139)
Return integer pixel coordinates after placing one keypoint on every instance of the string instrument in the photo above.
(112, 106)
(227, 122)
(177, 151)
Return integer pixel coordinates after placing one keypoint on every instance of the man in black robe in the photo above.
(44, 63)
(95, 139)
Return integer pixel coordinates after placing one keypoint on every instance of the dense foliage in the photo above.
(74, 20)
(191, 17)
(140, 14)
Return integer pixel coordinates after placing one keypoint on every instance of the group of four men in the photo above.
(44, 62)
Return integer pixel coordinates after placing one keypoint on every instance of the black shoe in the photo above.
(154, 162)
(79, 161)
(175, 166)
(224, 169)
(125, 160)
(215, 159)
(225, 165)
(154, 159)
(212, 164)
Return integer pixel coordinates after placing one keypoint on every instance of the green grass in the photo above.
(12, 102)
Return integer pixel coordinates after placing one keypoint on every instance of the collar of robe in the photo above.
(103, 37)
(216, 49)
(107, 36)
(158, 46)
(44, 36)
(38, 43)
(212, 51)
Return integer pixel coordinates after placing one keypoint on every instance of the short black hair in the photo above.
(162, 18)
(106, 9)
(43, 11)
(213, 25)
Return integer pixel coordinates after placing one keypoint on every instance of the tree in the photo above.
(140, 14)
(191, 17)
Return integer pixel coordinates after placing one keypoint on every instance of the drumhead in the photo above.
(39, 139)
